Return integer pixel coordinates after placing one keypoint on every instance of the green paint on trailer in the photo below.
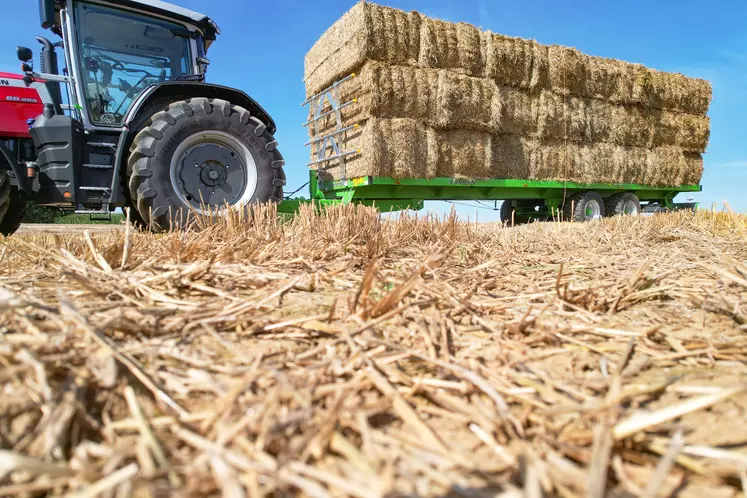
(390, 194)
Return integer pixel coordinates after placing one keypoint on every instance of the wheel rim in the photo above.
(630, 207)
(213, 168)
(592, 210)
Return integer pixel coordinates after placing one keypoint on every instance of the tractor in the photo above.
(140, 127)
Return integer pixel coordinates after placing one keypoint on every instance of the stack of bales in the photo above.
(444, 99)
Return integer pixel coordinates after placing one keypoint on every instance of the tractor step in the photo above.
(99, 189)
(102, 144)
(98, 166)
(104, 210)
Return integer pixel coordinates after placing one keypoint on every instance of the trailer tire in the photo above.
(507, 211)
(12, 206)
(215, 136)
(583, 206)
(622, 204)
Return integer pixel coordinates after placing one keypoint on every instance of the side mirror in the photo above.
(24, 54)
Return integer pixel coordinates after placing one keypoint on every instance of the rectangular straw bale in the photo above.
(366, 32)
(372, 32)
(400, 148)
(441, 98)
(518, 111)
(608, 79)
(467, 103)
(673, 91)
(456, 47)
(561, 116)
(571, 72)
(463, 153)
(408, 148)
(520, 157)
(687, 131)
(515, 62)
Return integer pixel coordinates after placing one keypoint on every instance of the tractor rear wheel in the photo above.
(12, 206)
(200, 155)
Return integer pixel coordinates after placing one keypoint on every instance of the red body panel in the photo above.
(18, 104)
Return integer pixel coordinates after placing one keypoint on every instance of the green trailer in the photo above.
(524, 200)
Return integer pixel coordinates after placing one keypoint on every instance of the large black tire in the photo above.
(583, 206)
(151, 183)
(622, 204)
(12, 206)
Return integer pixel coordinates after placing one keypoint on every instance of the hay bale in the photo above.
(441, 98)
(515, 62)
(571, 72)
(518, 111)
(671, 91)
(372, 32)
(408, 148)
(400, 148)
(464, 154)
(366, 32)
(467, 103)
(520, 157)
(456, 47)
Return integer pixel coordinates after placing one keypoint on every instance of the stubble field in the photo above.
(339, 354)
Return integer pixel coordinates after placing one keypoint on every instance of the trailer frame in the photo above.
(390, 194)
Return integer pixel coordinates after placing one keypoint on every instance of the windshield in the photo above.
(121, 54)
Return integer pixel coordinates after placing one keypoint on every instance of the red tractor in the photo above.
(19, 106)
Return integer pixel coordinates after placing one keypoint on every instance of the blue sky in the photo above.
(263, 43)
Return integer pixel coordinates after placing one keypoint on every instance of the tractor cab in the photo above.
(116, 49)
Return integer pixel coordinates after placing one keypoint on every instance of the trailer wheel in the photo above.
(621, 204)
(507, 210)
(202, 153)
(12, 206)
(583, 206)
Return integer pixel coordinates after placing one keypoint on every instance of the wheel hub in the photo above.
(592, 210)
(630, 207)
(211, 173)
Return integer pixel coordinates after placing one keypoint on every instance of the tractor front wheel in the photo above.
(201, 155)
(12, 205)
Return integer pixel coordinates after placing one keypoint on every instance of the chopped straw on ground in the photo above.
(342, 354)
